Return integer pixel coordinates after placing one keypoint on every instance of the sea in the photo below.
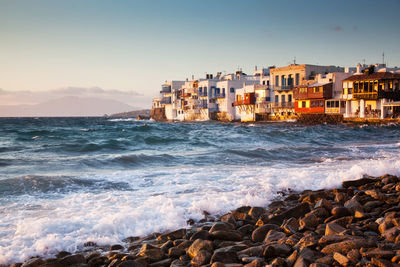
(68, 181)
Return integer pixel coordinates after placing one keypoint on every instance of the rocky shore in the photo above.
(356, 225)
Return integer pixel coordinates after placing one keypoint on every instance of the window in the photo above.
(277, 99)
(232, 90)
(263, 83)
(303, 104)
(223, 91)
(268, 83)
(328, 104)
(289, 98)
(277, 80)
(283, 98)
(343, 104)
(297, 78)
(336, 104)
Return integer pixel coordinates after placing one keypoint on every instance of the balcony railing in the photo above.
(389, 95)
(244, 102)
(283, 87)
(203, 93)
(219, 96)
(283, 105)
(263, 99)
(165, 89)
(371, 95)
(202, 106)
(166, 100)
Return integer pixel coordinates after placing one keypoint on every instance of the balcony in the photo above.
(202, 106)
(263, 99)
(166, 100)
(389, 95)
(283, 88)
(219, 96)
(203, 93)
(369, 95)
(184, 95)
(165, 89)
(283, 105)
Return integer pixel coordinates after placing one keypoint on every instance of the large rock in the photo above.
(341, 259)
(291, 226)
(259, 234)
(201, 258)
(199, 245)
(391, 234)
(224, 257)
(72, 259)
(340, 212)
(347, 245)
(358, 182)
(255, 212)
(276, 250)
(34, 262)
(334, 229)
(309, 221)
(295, 212)
(221, 226)
(177, 234)
(226, 235)
(273, 237)
(378, 253)
(151, 252)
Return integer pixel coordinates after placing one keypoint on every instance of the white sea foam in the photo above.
(160, 200)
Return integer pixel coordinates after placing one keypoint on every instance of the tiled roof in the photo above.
(373, 76)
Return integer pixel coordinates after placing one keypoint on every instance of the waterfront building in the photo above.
(284, 79)
(245, 103)
(311, 98)
(170, 98)
(372, 94)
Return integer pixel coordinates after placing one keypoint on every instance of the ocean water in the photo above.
(66, 181)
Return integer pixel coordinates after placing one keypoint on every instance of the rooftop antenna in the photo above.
(294, 60)
(363, 61)
(383, 58)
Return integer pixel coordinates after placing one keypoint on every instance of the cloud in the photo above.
(337, 28)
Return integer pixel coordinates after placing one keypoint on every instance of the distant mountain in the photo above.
(68, 106)
(132, 114)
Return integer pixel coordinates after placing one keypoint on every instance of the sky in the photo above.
(128, 48)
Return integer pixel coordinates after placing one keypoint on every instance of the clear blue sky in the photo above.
(136, 45)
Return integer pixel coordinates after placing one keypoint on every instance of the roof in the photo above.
(313, 84)
(373, 76)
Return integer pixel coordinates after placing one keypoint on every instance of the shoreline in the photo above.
(357, 224)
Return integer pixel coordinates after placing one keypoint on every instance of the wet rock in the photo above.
(153, 253)
(273, 236)
(334, 229)
(199, 245)
(323, 203)
(224, 257)
(382, 263)
(384, 226)
(353, 205)
(130, 263)
(34, 262)
(255, 212)
(246, 229)
(185, 244)
(347, 245)
(278, 262)
(176, 252)
(310, 221)
(295, 212)
(358, 182)
(256, 251)
(228, 218)
(340, 212)
(256, 262)
(221, 226)
(201, 258)
(234, 248)
(116, 247)
(309, 240)
(341, 259)
(177, 234)
(391, 234)
(291, 259)
(327, 260)
(354, 255)
(226, 235)
(167, 245)
(259, 234)
(62, 254)
(276, 250)
(378, 253)
(290, 226)
(178, 263)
